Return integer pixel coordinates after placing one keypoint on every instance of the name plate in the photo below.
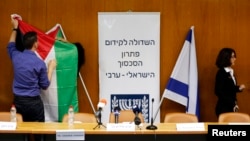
(190, 127)
(120, 127)
(7, 125)
(70, 135)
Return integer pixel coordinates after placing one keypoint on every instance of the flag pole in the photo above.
(157, 111)
(87, 93)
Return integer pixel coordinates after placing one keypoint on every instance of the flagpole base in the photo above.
(151, 127)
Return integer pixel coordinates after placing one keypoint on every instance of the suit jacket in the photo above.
(226, 91)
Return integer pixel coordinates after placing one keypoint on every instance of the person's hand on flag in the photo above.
(14, 23)
(51, 66)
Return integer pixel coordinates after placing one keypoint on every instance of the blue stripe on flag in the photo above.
(178, 87)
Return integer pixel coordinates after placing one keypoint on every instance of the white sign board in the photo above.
(129, 61)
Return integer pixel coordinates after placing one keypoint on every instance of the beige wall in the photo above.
(218, 23)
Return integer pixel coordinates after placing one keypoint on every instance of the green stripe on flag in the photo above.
(67, 62)
(60, 34)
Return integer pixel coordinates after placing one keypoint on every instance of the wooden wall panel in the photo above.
(218, 23)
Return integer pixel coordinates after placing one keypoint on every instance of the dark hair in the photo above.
(81, 54)
(224, 57)
(29, 39)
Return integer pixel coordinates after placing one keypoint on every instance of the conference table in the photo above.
(164, 131)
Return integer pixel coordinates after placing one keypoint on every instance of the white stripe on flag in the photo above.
(50, 95)
(182, 86)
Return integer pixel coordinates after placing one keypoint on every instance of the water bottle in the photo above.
(13, 113)
(71, 116)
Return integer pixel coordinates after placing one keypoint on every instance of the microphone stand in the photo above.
(152, 126)
(116, 113)
(99, 119)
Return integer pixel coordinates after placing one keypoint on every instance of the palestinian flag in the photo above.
(62, 91)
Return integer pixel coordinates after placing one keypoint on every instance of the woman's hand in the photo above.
(242, 86)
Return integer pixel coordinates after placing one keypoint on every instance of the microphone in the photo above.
(117, 113)
(102, 103)
(136, 111)
(152, 126)
(98, 114)
(100, 106)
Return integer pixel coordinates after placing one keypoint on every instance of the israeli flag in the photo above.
(182, 86)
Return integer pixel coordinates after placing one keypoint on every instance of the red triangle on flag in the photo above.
(45, 42)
